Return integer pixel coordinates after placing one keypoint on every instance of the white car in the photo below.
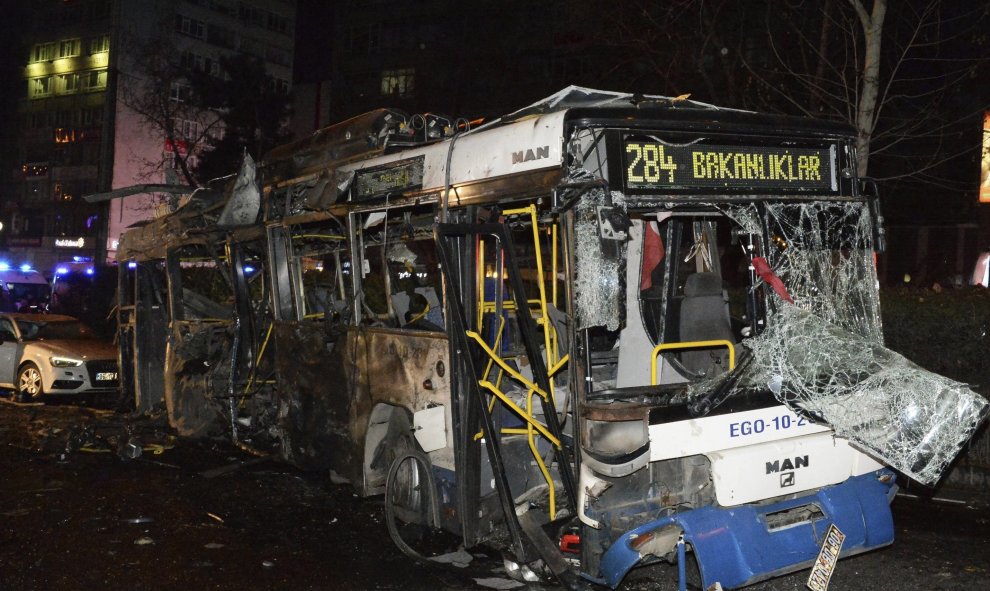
(52, 354)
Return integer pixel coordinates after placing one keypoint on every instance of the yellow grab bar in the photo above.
(690, 345)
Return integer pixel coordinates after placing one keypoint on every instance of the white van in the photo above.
(23, 290)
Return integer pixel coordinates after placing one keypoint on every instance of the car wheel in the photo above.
(29, 384)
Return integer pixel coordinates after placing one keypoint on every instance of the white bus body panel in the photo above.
(535, 143)
(776, 468)
(745, 446)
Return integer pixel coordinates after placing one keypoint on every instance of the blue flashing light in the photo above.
(248, 269)
(62, 271)
(82, 259)
(132, 265)
(25, 268)
(4, 266)
(90, 270)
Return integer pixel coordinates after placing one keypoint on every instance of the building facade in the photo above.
(81, 126)
(462, 59)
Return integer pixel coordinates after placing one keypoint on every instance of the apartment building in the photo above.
(79, 129)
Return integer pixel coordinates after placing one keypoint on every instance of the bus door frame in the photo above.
(456, 247)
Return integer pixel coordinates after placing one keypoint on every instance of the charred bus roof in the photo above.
(525, 153)
(386, 154)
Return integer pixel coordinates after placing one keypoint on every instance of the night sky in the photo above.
(314, 20)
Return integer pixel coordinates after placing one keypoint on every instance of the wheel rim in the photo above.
(410, 504)
(407, 493)
(30, 382)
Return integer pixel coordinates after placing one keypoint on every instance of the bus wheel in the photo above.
(411, 510)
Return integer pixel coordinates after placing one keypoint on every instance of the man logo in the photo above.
(787, 464)
(787, 479)
(527, 155)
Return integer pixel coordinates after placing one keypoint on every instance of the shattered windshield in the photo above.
(822, 352)
(727, 300)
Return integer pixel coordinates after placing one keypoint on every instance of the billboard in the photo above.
(985, 160)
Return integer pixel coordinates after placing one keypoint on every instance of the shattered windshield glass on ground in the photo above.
(823, 354)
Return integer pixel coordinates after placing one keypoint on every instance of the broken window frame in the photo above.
(376, 245)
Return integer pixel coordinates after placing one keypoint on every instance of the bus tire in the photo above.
(402, 486)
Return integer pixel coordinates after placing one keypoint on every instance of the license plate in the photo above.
(106, 376)
(821, 572)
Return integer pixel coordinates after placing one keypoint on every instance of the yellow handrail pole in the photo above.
(501, 362)
(559, 365)
(254, 369)
(690, 345)
(522, 413)
(541, 283)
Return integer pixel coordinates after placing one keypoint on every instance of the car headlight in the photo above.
(65, 362)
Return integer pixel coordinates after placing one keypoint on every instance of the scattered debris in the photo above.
(498, 583)
(130, 448)
(139, 520)
(459, 558)
(143, 541)
(213, 546)
(81, 437)
(267, 563)
(214, 472)
(215, 517)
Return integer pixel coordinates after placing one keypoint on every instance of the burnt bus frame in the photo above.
(455, 245)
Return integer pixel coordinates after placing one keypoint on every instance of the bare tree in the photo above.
(900, 77)
(897, 78)
(866, 105)
(156, 85)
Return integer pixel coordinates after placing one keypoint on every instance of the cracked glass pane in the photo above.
(599, 264)
(823, 354)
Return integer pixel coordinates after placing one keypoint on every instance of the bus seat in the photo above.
(705, 317)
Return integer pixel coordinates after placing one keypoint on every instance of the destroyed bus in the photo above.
(600, 332)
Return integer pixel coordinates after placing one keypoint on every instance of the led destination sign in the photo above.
(652, 165)
(394, 177)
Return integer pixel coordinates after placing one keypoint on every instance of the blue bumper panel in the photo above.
(735, 547)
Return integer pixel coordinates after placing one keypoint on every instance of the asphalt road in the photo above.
(75, 515)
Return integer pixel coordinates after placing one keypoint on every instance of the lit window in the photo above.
(68, 83)
(70, 48)
(43, 52)
(399, 82)
(33, 169)
(41, 86)
(99, 44)
(64, 136)
(95, 80)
